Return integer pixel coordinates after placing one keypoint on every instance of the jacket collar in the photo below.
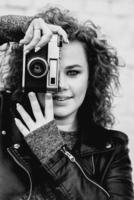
(96, 139)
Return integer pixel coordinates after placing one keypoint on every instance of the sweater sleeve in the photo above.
(45, 141)
(13, 27)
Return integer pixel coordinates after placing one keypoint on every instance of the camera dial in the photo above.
(37, 67)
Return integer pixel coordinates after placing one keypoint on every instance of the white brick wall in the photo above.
(116, 18)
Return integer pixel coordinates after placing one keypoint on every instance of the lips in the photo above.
(61, 98)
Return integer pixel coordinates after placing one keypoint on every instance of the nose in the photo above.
(62, 81)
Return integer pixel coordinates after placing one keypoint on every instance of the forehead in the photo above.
(74, 53)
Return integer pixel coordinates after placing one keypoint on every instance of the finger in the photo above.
(41, 36)
(46, 34)
(34, 41)
(28, 35)
(44, 27)
(25, 116)
(49, 107)
(35, 107)
(43, 41)
(59, 31)
(21, 127)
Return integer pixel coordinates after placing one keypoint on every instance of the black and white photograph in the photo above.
(66, 100)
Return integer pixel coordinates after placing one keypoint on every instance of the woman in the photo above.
(58, 146)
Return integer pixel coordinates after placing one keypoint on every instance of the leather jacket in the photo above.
(98, 167)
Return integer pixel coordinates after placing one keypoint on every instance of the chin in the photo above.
(60, 115)
(63, 114)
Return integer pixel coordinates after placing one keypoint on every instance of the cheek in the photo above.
(80, 90)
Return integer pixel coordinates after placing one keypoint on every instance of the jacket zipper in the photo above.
(27, 172)
(72, 159)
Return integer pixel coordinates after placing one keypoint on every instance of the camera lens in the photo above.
(37, 67)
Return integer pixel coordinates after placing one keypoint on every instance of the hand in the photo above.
(40, 118)
(39, 34)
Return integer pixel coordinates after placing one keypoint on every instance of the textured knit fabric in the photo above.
(44, 142)
(13, 27)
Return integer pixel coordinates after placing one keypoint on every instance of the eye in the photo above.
(73, 72)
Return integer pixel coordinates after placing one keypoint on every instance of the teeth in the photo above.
(59, 99)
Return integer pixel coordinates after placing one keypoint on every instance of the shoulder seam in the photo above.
(120, 136)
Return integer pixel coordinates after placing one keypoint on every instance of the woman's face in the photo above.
(73, 81)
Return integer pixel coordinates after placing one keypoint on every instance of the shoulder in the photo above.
(115, 139)
(99, 136)
(118, 137)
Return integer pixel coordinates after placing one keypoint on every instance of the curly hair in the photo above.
(102, 61)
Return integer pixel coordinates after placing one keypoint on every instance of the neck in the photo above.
(66, 124)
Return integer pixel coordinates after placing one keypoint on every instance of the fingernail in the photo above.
(66, 40)
(21, 41)
(37, 49)
(49, 95)
(18, 106)
(26, 50)
(16, 120)
(31, 94)
(20, 44)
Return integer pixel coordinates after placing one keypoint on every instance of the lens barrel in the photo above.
(37, 67)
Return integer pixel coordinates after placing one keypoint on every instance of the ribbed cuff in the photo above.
(45, 141)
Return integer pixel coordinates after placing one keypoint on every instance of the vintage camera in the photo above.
(40, 69)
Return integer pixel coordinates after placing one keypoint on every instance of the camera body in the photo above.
(41, 69)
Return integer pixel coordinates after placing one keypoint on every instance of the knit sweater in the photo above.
(13, 28)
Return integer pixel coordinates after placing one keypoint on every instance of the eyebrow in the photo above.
(73, 66)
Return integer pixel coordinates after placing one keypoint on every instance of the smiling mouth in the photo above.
(57, 98)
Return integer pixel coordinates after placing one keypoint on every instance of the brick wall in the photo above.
(116, 19)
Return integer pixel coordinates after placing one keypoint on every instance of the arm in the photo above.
(13, 27)
(119, 179)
